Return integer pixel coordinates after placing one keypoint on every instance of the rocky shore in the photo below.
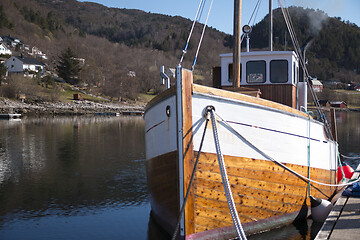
(72, 108)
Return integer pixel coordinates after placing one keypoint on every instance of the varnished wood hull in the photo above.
(266, 195)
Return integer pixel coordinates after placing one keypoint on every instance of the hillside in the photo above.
(115, 42)
(112, 41)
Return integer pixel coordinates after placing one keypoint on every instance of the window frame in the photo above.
(287, 71)
(247, 72)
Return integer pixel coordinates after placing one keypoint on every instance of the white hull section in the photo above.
(282, 135)
(160, 130)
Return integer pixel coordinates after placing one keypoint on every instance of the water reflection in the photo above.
(68, 166)
(349, 132)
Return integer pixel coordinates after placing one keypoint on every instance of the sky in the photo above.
(221, 15)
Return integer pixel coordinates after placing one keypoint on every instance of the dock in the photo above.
(10, 116)
(343, 221)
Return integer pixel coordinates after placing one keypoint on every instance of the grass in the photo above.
(146, 97)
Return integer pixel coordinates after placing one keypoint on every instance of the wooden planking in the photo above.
(276, 177)
(259, 183)
(162, 174)
(249, 200)
(280, 93)
(188, 162)
(251, 164)
(253, 192)
(257, 194)
(245, 98)
(250, 211)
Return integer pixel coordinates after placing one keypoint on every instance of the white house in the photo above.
(316, 85)
(4, 50)
(12, 41)
(22, 64)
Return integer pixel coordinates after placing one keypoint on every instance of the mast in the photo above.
(237, 43)
(270, 25)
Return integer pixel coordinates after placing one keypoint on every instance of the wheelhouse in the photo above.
(274, 73)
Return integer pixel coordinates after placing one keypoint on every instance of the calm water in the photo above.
(85, 178)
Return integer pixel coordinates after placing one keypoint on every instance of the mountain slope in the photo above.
(115, 41)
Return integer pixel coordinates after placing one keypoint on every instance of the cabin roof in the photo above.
(261, 53)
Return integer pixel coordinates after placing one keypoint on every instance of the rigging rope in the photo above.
(255, 12)
(190, 183)
(279, 163)
(225, 180)
(201, 6)
(202, 36)
(290, 27)
(308, 148)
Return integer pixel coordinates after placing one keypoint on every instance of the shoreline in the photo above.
(84, 107)
(77, 107)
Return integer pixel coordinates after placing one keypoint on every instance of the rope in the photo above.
(279, 163)
(225, 180)
(190, 183)
(352, 158)
(308, 148)
(341, 167)
(303, 65)
(202, 36)
(191, 31)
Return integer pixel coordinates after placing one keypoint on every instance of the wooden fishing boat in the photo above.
(261, 138)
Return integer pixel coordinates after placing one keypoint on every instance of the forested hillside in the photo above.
(115, 42)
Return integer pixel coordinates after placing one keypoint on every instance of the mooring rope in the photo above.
(225, 180)
(279, 163)
(190, 183)
(348, 157)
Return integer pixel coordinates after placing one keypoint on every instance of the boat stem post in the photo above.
(179, 123)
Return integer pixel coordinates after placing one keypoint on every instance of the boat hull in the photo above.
(266, 195)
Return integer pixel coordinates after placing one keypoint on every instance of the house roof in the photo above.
(316, 83)
(32, 61)
(338, 103)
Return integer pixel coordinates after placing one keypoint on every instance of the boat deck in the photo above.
(343, 221)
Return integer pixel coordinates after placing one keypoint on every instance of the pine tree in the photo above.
(69, 67)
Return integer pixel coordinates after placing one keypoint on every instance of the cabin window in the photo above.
(230, 69)
(256, 71)
(279, 71)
